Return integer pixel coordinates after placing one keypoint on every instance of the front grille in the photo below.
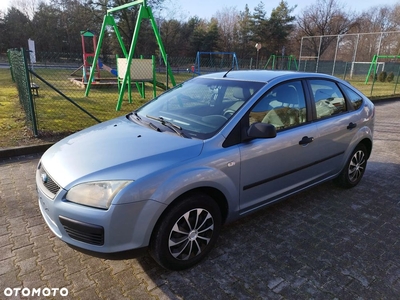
(83, 232)
(48, 182)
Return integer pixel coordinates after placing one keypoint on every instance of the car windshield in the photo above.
(198, 107)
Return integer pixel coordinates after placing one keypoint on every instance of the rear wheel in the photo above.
(186, 233)
(354, 169)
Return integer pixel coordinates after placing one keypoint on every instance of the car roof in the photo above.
(263, 75)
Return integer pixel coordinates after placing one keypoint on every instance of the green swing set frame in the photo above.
(144, 13)
(374, 63)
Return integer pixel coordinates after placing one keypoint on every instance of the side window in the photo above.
(356, 99)
(283, 106)
(328, 98)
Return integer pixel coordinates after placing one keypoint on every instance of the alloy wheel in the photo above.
(357, 166)
(191, 234)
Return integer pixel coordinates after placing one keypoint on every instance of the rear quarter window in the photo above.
(355, 99)
(329, 100)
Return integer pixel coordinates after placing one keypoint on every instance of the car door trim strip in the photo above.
(255, 184)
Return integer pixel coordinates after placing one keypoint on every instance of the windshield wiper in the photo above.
(134, 113)
(137, 116)
(175, 128)
(152, 126)
(139, 119)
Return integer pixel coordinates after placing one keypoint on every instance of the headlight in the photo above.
(97, 194)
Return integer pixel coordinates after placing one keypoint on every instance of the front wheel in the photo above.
(186, 233)
(354, 169)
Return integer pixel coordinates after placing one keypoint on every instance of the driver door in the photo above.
(276, 167)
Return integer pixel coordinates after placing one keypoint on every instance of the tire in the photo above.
(354, 169)
(186, 233)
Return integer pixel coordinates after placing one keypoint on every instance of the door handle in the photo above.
(352, 125)
(306, 140)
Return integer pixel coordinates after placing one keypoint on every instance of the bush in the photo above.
(390, 77)
(382, 76)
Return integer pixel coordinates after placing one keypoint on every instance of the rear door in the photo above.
(336, 122)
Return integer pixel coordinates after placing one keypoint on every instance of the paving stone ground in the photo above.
(325, 243)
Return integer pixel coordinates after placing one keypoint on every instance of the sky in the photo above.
(207, 8)
(181, 9)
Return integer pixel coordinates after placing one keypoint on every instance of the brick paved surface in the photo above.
(326, 243)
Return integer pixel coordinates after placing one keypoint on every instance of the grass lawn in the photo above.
(55, 114)
(57, 117)
(12, 117)
(375, 90)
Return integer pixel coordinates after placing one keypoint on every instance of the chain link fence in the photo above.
(53, 90)
(20, 75)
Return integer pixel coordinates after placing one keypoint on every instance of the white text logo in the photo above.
(26, 292)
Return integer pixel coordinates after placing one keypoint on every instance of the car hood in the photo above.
(116, 149)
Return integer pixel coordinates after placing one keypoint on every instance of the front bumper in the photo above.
(120, 228)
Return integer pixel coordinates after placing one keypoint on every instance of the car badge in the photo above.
(45, 178)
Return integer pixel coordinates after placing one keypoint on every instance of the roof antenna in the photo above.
(227, 72)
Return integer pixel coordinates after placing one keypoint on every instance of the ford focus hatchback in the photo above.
(215, 148)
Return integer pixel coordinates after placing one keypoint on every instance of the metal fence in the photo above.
(350, 54)
(20, 75)
(53, 91)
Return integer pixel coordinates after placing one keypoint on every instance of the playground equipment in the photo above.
(144, 13)
(212, 64)
(89, 44)
(88, 55)
(107, 68)
(140, 71)
(374, 64)
(278, 62)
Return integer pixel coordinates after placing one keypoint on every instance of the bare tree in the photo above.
(27, 7)
(325, 17)
(384, 21)
(395, 15)
(380, 18)
(227, 19)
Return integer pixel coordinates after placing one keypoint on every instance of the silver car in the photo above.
(215, 148)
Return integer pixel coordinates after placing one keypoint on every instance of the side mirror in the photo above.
(261, 131)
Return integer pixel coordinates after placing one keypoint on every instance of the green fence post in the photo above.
(30, 100)
(397, 81)
(153, 58)
(10, 62)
